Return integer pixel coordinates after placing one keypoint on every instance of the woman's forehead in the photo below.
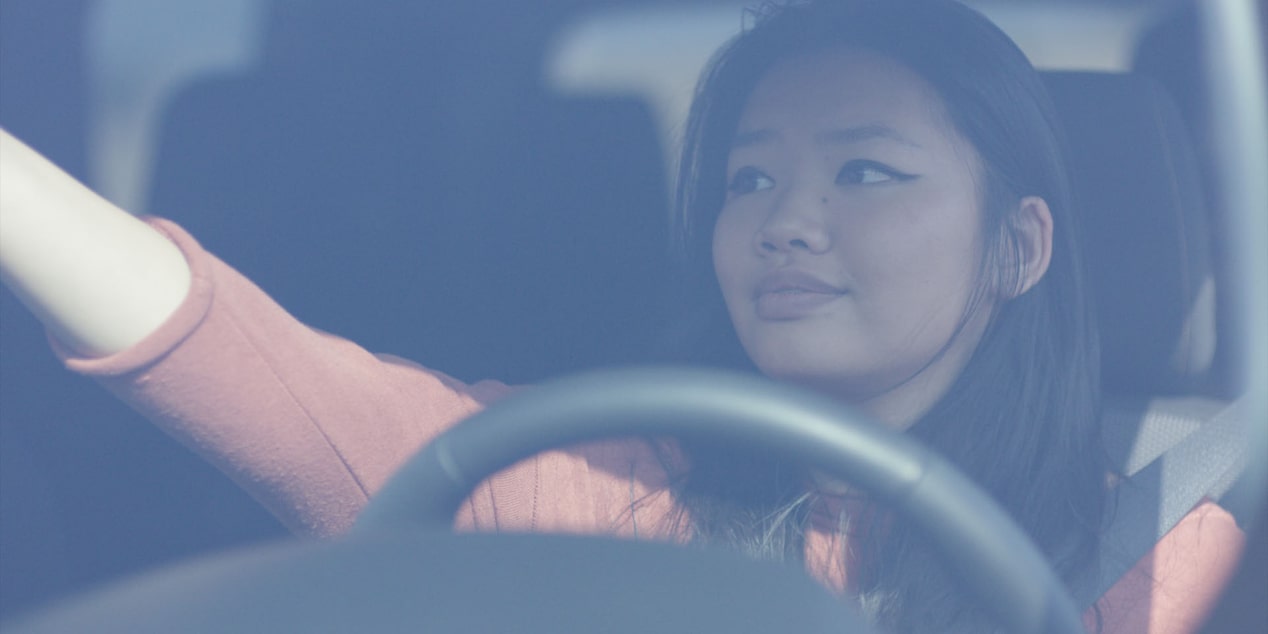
(832, 92)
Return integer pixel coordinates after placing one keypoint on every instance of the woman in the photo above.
(887, 235)
(874, 200)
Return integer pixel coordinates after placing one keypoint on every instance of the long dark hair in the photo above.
(1022, 417)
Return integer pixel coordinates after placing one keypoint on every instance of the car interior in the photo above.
(463, 209)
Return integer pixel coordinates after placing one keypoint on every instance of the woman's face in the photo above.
(849, 241)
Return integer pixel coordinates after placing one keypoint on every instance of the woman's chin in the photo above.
(849, 387)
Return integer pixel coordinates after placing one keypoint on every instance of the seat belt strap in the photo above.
(1150, 502)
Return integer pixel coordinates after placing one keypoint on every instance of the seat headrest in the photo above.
(1138, 195)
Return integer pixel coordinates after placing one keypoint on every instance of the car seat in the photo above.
(1146, 238)
(388, 195)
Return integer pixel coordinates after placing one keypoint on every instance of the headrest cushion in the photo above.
(1138, 196)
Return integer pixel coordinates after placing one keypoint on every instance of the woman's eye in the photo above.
(748, 180)
(869, 173)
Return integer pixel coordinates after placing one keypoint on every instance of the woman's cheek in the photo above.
(730, 239)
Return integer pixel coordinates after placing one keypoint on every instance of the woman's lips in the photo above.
(792, 294)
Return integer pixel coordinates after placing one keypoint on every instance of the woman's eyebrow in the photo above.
(842, 136)
(857, 134)
(753, 137)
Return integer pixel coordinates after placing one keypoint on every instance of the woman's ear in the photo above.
(1031, 227)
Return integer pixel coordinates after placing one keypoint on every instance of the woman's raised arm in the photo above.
(99, 278)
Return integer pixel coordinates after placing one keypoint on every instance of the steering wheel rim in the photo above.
(977, 540)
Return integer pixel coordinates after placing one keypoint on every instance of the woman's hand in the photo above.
(99, 278)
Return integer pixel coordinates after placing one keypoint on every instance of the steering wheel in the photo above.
(978, 542)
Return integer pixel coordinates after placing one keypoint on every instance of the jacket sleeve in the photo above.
(309, 423)
(1173, 588)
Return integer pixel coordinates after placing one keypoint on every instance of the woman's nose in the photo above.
(795, 224)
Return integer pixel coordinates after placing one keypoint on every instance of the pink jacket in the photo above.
(312, 425)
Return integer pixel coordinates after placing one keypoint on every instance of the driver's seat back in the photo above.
(1146, 238)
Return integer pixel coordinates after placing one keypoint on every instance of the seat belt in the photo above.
(1151, 501)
